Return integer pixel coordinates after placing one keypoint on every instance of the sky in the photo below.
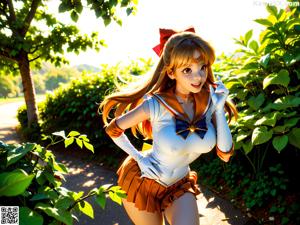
(216, 21)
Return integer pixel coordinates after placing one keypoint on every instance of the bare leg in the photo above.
(183, 211)
(140, 217)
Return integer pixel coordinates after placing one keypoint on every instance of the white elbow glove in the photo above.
(146, 164)
(224, 138)
(218, 96)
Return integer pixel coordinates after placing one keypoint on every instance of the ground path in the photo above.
(86, 174)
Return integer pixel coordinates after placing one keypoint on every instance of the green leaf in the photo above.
(121, 193)
(272, 10)
(84, 138)
(269, 119)
(88, 146)
(78, 195)
(261, 135)
(119, 22)
(63, 7)
(241, 94)
(86, 208)
(256, 102)
(247, 146)
(285, 220)
(251, 66)
(44, 137)
(264, 22)
(79, 142)
(14, 183)
(74, 16)
(279, 129)
(30, 217)
(107, 21)
(264, 60)
(291, 57)
(49, 176)
(94, 191)
(60, 167)
(39, 196)
(73, 133)
(280, 78)
(17, 153)
(69, 141)
(294, 137)
(113, 195)
(273, 192)
(104, 187)
(63, 202)
(129, 11)
(57, 213)
(40, 178)
(101, 200)
(248, 35)
(253, 45)
(291, 122)
(78, 7)
(280, 142)
(242, 135)
(286, 102)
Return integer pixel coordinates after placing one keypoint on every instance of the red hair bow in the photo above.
(165, 34)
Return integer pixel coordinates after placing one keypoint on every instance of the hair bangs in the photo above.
(183, 54)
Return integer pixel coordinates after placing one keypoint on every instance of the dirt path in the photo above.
(8, 122)
(85, 175)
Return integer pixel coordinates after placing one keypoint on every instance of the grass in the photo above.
(39, 97)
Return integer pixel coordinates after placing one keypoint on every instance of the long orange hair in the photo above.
(178, 51)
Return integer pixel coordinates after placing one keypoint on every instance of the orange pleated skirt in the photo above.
(149, 195)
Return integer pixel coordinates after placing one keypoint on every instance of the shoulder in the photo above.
(153, 105)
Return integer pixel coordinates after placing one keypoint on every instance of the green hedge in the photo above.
(263, 78)
(74, 106)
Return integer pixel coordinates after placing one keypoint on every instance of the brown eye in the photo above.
(204, 67)
(187, 70)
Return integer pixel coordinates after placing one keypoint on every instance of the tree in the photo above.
(24, 43)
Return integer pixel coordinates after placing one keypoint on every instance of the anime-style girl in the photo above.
(182, 109)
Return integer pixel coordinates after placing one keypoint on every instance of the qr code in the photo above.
(9, 215)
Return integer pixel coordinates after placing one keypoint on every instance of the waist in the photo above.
(167, 180)
(170, 174)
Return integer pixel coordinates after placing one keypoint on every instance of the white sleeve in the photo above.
(152, 107)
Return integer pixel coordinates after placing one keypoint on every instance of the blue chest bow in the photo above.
(184, 128)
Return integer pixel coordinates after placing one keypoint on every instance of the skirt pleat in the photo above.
(149, 195)
(153, 188)
(141, 195)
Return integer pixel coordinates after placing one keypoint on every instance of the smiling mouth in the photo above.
(196, 86)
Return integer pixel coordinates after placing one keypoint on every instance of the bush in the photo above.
(8, 86)
(263, 79)
(31, 179)
(31, 133)
(74, 106)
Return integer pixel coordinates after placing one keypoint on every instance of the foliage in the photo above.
(8, 86)
(253, 191)
(30, 34)
(56, 76)
(39, 84)
(263, 78)
(32, 179)
(74, 106)
(22, 29)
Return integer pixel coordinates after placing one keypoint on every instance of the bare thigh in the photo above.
(141, 217)
(183, 211)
